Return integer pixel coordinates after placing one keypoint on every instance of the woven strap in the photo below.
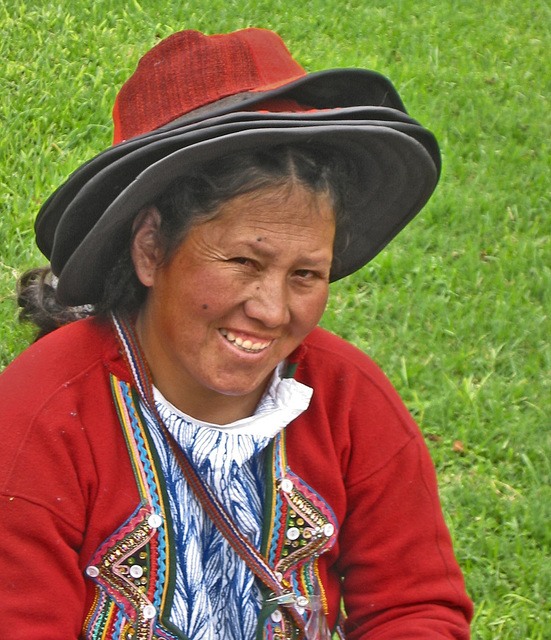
(137, 365)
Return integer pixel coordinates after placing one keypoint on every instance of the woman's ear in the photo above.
(146, 253)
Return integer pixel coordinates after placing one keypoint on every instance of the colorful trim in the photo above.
(131, 569)
(299, 527)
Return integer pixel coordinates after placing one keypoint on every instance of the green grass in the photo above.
(456, 310)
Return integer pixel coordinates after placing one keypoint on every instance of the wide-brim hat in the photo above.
(194, 98)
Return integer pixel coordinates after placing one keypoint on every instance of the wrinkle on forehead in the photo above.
(272, 204)
(269, 222)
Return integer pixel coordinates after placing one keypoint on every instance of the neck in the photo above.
(217, 410)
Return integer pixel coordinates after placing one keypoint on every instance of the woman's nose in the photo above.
(268, 303)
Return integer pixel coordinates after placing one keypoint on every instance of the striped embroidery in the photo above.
(131, 568)
(300, 526)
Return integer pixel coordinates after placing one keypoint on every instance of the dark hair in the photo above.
(191, 199)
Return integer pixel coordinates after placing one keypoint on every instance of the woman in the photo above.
(196, 459)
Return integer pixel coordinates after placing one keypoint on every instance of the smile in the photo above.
(245, 345)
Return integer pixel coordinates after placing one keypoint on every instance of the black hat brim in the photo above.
(396, 161)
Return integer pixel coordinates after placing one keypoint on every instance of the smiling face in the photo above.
(238, 295)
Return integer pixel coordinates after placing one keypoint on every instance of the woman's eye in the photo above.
(242, 260)
(311, 276)
(306, 274)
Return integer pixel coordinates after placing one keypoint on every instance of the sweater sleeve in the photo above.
(59, 435)
(43, 507)
(43, 590)
(401, 579)
(394, 556)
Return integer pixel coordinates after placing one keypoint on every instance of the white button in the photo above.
(277, 616)
(154, 521)
(302, 601)
(286, 485)
(279, 576)
(293, 533)
(149, 612)
(329, 529)
(136, 571)
(93, 572)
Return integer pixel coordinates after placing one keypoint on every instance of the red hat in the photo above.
(194, 97)
(189, 70)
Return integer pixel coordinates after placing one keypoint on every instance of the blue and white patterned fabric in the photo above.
(216, 595)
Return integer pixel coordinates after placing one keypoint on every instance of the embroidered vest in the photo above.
(133, 570)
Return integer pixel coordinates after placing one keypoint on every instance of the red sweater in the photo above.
(67, 484)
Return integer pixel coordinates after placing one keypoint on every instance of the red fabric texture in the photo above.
(189, 70)
(66, 485)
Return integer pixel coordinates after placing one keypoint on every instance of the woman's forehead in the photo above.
(274, 202)
(271, 214)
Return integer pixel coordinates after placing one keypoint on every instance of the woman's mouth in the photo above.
(245, 345)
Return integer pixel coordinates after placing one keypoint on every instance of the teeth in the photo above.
(246, 345)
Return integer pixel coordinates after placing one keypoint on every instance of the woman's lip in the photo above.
(246, 342)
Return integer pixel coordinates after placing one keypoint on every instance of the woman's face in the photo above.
(238, 296)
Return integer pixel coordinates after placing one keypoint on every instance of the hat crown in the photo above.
(189, 70)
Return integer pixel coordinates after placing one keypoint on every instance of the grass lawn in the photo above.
(456, 310)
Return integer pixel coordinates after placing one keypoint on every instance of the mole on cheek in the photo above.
(259, 239)
(205, 306)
